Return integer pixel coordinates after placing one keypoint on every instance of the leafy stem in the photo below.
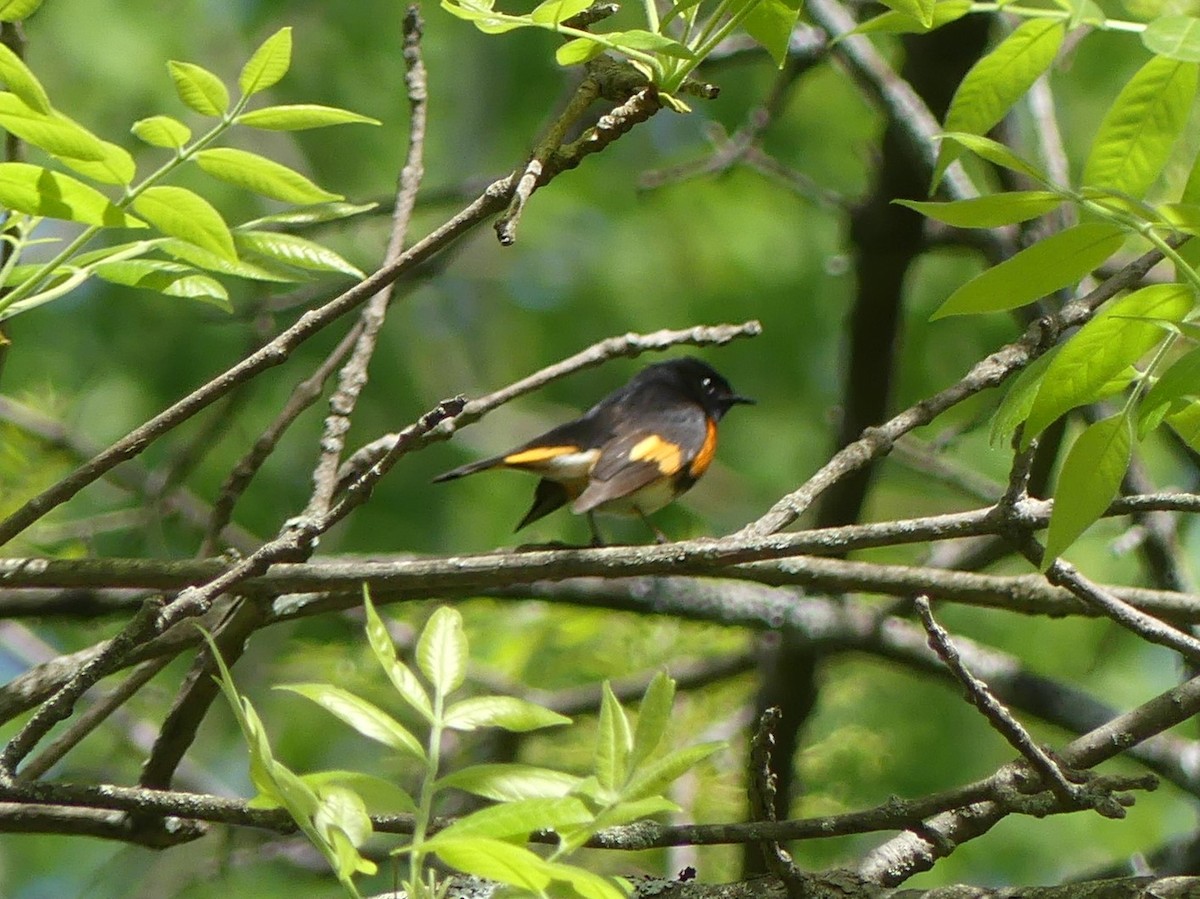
(1037, 12)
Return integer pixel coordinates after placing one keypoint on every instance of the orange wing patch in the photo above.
(662, 453)
(539, 454)
(705, 456)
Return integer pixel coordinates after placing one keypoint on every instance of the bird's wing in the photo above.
(634, 460)
(577, 438)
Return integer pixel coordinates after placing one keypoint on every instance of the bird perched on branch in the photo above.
(632, 453)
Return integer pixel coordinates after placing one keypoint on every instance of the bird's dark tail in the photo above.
(549, 496)
(469, 468)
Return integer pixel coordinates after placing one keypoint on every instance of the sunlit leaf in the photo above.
(770, 22)
(34, 190)
(1186, 423)
(510, 782)
(19, 79)
(180, 213)
(992, 211)
(1180, 381)
(921, 10)
(506, 712)
(1088, 482)
(577, 51)
(52, 132)
(365, 717)
(268, 64)
(555, 11)
(117, 167)
(516, 819)
(1176, 37)
(292, 249)
(1058, 261)
(655, 777)
(614, 741)
(309, 215)
(398, 673)
(14, 10)
(996, 153)
(442, 650)
(261, 175)
(162, 131)
(892, 22)
(654, 714)
(167, 278)
(496, 860)
(198, 88)
(1140, 128)
(301, 116)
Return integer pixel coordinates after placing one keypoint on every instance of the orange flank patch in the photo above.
(705, 456)
(539, 454)
(663, 453)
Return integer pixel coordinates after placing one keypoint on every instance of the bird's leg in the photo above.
(659, 537)
(597, 537)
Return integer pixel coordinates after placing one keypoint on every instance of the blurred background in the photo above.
(596, 256)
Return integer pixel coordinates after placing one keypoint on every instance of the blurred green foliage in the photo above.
(595, 257)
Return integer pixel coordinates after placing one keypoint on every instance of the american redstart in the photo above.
(631, 453)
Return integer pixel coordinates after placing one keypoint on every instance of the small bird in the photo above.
(630, 454)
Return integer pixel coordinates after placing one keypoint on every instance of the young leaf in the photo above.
(577, 51)
(15, 10)
(1176, 37)
(301, 116)
(1141, 127)
(587, 885)
(382, 794)
(269, 63)
(770, 22)
(652, 779)
(1049, 265)
(507, 712)
(19, 79)
(117, 167)
(261, 175)
(1103, 348)
(516, 819)
(292, 249)
(654, 714)
(52, 132)
(998, 80)
(442, 650)
(310, 215)
(342, 813)
(639, 39)
(1088, 482)
(167, 278)
(991, 211)
(481, 17)
(555, 11)
(921, 10)
(34, 190)
(997, 154)
(180, 213)
(614, 741)
(1186, 423)
(510, 782)
(1181, 380)
(237, 268)
(398, 673)
(365, 717)
(496, 860)
(198, 88)
(1017, 402)
(892, 22)
(162, 131)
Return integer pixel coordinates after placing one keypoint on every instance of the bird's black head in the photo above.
(698, 381)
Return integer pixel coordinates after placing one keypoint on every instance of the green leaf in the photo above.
(442, 650)
(654, 714)
(398, 673)
(167, 278)
(892, 22)
(1141, 127)
(198, 88)
(1049, 265)
(496, 860)
(586, 884)
(991, 211)
(237, 268)
(770, 22)
(382, 795)
(269, 63)
(510, 782)
(261, 175)
(292, 249)
(482, 17)
(921, 10)
(577, 51)
(310, 215)
(15, 10)
(180, 213)
(998, 80)
(997, 154)
(555, 11)
(652, 779)
(1181, 216)
(1088, 482)
(365, 717)
(1103, 348)
(1017, 402)
(639, 39)
(1186, 423)
(637, 810)
(614, 741)
(516, 819)
(301, 116)
(1176, 37)
(507, 712)
(1180, 381)
(19, 79)
(162, 131)
(342, 812)
(52, 132)
(117, 167)
(37, 191)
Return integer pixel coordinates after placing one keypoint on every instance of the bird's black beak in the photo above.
(736, 400)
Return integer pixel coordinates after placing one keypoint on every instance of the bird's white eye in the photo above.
(707, 384)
